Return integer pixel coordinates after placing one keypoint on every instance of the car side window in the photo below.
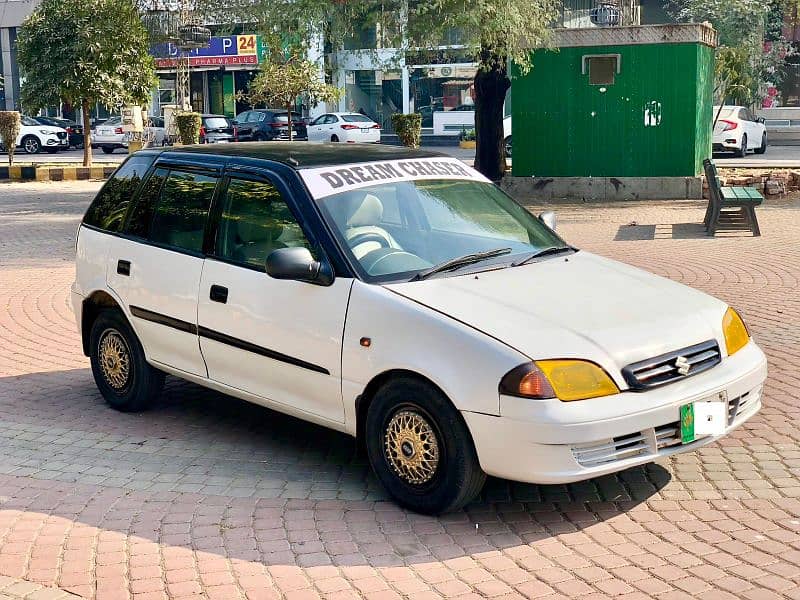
(259, 116)
(332, 119)
(319, 120)
(179, 218)
(255, 221)
(108, 209)
(142, 214)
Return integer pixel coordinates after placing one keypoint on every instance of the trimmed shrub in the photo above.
(188, 125)
(9, 130)
(408, 129)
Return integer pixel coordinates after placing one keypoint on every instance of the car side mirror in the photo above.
(761, 120)
(549, 219)
(297, 264)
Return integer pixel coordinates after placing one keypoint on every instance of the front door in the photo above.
(279, 340)
(156, 270)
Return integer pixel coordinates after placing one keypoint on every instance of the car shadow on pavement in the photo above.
(206, 472)
(634, 232)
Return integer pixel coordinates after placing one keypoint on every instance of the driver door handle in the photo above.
(219, 294)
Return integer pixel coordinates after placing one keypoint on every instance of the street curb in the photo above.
(55, 173)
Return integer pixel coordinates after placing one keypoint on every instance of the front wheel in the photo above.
(743, 150)
(108, 149)
(31, 145)
(420, 448)
(763, 148)
(119, 367)
(507, 142)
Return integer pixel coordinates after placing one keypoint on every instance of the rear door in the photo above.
(156, 268)
(278, 340)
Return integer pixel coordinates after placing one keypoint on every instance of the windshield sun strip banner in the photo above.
(334, 179)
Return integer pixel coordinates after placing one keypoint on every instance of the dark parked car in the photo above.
(217, 129)
(74, 130)
(269, 124)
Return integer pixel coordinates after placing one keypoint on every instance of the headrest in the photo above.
(367, 213)
(250, 232)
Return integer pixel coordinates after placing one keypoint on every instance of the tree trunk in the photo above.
(87, 134)
(491, 85)
(289, 118)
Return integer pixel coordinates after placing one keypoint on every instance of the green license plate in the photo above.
(687, 423)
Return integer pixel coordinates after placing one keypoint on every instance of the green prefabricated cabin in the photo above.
(616, 102)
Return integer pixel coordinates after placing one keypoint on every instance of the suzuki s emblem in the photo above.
(682, 365)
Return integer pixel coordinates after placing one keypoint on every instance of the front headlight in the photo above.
(567, 380)
(735, 331)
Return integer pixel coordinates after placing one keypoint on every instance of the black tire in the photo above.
(412, 415)
(120, 370)
(31, 144)
(507, 143)
(108, 149)
(334, 138)
(763, 148)
(742, 151)
(257, 137)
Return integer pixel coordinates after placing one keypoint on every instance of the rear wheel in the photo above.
(508, 146)
(119, 367)
(742, 152)
(420, 448)
(108, 149)
(334, 138)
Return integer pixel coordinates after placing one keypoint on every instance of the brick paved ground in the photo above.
(206, 496)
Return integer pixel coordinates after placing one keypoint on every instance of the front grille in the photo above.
(664, 369)
(609, 451)
(62, 135)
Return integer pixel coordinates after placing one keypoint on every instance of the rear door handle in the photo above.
(219, 294)
(124, 267)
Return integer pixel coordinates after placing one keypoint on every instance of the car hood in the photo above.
(576, 306)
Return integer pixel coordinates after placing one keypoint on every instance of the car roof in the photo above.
(302, 155)
(209, 115)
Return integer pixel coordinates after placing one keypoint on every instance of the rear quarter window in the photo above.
(107, 211)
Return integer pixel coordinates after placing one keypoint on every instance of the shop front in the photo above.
(218, 73)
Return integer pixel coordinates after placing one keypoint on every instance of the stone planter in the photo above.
(467, 145)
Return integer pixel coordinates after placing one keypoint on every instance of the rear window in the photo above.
(281, 117)
(216, 122)
(356, 119)
(108, 209)
(725, 112)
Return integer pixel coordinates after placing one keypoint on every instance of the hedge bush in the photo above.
(408, 129)
(188, 124)
(9, 130)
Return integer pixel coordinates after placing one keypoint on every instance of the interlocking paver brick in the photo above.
(206, 496)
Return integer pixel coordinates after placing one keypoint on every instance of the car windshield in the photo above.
(216, 122)
(28, 122)
(356, 119)
(113, 121)
(401, 230)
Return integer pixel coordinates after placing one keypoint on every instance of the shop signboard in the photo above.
(248, 49)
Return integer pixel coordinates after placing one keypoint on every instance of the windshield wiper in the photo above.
(461, 261)
(544, 252)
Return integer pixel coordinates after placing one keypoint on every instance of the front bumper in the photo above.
(549, 441)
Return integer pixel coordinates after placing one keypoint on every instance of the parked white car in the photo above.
(34, 137)
(344, 127)
(738, 130)
(399, 296)
(109, 136)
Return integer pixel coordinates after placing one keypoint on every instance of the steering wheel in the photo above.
(369, 236)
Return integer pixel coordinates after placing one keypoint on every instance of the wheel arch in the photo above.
(366, 397)
(93, 305)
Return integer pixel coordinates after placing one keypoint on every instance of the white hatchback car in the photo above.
(738, 130)
(344, 127)
(109, 136)
(398, 296)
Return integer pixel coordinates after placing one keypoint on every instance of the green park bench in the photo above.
(730, 208)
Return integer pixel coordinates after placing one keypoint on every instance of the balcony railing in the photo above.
(578, 13)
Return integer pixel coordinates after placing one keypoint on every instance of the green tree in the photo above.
(284, 77)
(492, 33)
(744, 63)
(85, 52)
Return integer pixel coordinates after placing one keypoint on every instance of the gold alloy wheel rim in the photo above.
(114, 359)
(411, 447)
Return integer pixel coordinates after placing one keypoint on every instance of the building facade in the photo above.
(12, 13)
